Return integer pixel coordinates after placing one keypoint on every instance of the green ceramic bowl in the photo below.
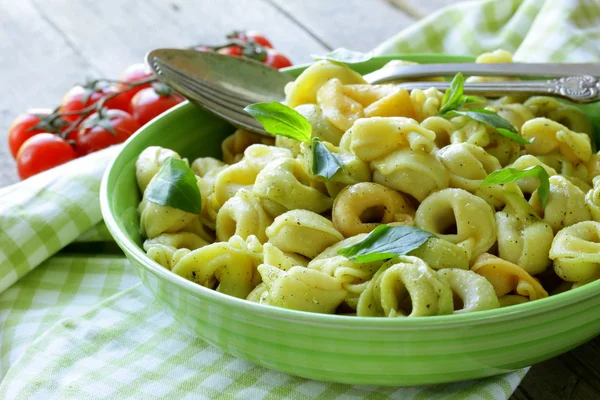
(356, 350)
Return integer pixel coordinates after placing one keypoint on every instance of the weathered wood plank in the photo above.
(38, 66)
(112, 34)
(355, 24)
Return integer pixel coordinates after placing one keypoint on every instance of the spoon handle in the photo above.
(530, 70)
(578, 89)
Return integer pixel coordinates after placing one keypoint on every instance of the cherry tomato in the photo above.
(73, 101)
(133, 73)
(93, 134)
(120, 101)
(257, 37)
(148, 104)
(19, 131)
(276, 60)
(42, 152)
(231, 51)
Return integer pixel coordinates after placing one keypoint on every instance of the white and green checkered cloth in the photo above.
(79, 326)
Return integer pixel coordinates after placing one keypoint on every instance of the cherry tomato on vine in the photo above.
(255, 36)
(231, 51)
(73, 100)
(133, 73)
(104, 129)
(276, 60)
(150, 102)
(120, 101)
(41, 152)
(20, 129)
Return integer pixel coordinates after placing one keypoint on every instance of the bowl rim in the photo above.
(131, 249)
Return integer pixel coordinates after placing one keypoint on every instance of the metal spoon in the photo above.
(224, 85)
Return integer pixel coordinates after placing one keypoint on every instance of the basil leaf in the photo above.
(175, 186)
(493, 120)
(279, 119)
(346, 56)
(454, 97)
(386, 242)
(325, 163)
(510, 175)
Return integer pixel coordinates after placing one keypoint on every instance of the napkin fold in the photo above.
(83, 327)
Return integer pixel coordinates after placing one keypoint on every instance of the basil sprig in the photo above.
(325, 163)
(175, 186)
(493, 120)
(510, 175)
(454, 99)
(279, 119)
(386, 242)
(345, 56)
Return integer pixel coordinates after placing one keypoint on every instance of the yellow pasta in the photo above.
(303, 232)
(405, 286)
(576, 252)
(360, 208)
(566, 204)
(148, 163)
(474, 291)
(276, 212)
(508, 278)
(304, 89)
(459, 217)
(468, 165)
(523, 237)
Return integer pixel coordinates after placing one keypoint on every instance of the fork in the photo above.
(228, 84)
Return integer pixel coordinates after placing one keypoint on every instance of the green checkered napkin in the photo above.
(80, 326)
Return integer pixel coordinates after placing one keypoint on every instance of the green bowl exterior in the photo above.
(353, 350)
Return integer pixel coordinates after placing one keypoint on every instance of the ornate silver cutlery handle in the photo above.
(579, 89)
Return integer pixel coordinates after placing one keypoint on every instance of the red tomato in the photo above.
(93, 135)
(133, 73)
(276, 60)
(42, 152)
(231, 51)
(257, 37)
(19, 131)
(148, 104)
(73, 101)
(120, 101)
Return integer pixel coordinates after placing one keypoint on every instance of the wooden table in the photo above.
(48, 45)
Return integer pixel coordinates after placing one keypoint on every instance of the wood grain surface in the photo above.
(48, 45)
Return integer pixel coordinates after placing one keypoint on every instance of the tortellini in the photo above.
(162, 248)
(362, 207)
(459, 217)
(550, 137)
(576, 252)
(242, 215)
(468, 165)
(301, 289)
(149, 162)
(592, 200)
(304, 89)
(403, 287)
(374, 138)
(284, 185)
(566, 204)
(523, 237)
(303, 232)
(474, 291)
(508, 278)
(228, 267)
(319, 225)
